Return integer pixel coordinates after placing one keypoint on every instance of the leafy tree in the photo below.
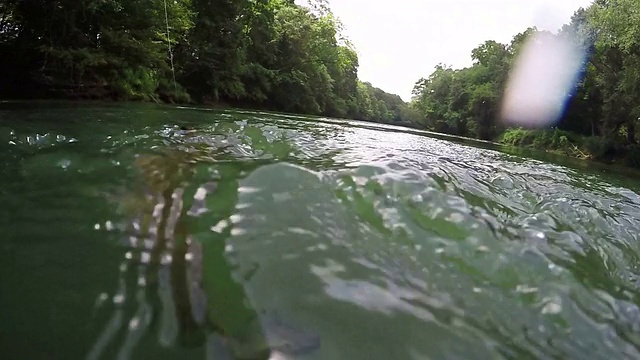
(617, 63)
(270, 54)
(603, 109)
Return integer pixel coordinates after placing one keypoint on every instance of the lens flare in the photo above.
(542, 80)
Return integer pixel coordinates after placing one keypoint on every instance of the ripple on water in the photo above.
(404, 245)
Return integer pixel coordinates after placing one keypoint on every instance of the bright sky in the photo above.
(400, 41)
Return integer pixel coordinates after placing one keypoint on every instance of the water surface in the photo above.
(307, 238)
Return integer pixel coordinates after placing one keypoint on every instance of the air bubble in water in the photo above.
(238, 231)
(118, 299)
(236, 218)
(552, 306)
(134, 323)
(166, 259)
(220, 226)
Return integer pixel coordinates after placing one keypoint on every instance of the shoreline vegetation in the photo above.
(276, 55)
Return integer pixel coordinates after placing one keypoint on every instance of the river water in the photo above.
(256, 234)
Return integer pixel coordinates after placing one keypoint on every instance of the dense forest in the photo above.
(268, 54)
(603, 110)
(277, 55)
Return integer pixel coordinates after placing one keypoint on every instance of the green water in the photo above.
(123, 237)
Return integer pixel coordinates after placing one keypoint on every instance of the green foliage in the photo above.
(270, 54)
(516, 137)
(553, 140)
(549, 138)
(136, 84)
(465, 102)
(632, 157)
(278, 55)
(602, 115)
(118, 46)
(572, 144)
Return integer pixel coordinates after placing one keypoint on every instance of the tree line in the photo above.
(268, 54)
(277, 55)
(603, 111)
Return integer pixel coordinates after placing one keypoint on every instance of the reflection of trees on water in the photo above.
(172, 281)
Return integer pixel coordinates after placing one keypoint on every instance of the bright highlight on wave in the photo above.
(542, 81)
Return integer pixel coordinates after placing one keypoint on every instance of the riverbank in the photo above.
(594, 148)
(554, 141)
(183, 99)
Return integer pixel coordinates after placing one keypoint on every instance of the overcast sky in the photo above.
(400, 41)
